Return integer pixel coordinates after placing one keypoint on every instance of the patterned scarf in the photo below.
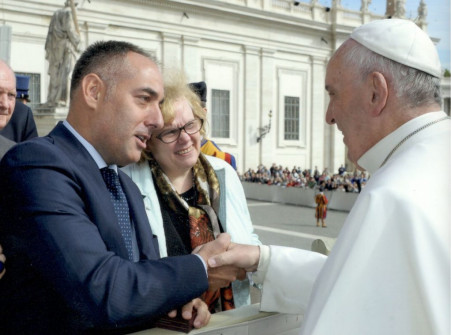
(203, 221)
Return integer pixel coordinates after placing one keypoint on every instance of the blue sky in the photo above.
(438, 19)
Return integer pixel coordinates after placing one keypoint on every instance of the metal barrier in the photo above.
(338, 200)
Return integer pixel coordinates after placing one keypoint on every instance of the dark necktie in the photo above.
(120, 207)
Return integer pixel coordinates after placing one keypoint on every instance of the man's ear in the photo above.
(92, 87)
(379, 90)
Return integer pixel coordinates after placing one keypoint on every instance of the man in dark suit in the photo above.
(22, 126)
(70, 269)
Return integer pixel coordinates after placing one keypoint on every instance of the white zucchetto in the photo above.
(402, 41)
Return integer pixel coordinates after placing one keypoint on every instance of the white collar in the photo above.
(90, 148)
(374, 157)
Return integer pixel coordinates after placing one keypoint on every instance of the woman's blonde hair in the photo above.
(175, 88)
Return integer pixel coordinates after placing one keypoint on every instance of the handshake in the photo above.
(227, 261)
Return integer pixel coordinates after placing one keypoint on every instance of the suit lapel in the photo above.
(148, 244)
(5, 145)
(98, 205)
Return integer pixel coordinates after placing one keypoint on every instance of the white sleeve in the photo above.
(289, 279)
(239, 223)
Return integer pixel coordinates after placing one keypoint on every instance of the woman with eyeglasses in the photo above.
(190, 197)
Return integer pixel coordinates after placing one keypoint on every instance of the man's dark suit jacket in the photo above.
(5, 145)
(21, 126)
(67, 268)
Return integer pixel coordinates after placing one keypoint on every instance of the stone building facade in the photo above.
(264, 63)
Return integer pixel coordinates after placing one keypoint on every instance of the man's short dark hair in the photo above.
(104, 58)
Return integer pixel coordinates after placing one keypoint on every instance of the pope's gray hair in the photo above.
(416, 88)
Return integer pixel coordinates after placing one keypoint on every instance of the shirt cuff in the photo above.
(203, 262)
(263, 263)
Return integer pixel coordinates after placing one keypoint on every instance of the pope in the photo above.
(389, 270)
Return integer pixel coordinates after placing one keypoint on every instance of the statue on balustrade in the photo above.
(422, 11)
(400, 9)
(62, 47)
(365, 4)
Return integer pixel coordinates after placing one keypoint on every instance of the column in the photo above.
(268, 144)
(318, 111)
(171, 50)
(93, 32)
(251, 113)
(5, 43)
(191, 60)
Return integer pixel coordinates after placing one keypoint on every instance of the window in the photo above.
(291, 131)
(220, 116)
(34, 88)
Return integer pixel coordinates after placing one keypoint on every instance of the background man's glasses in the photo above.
(172, 135)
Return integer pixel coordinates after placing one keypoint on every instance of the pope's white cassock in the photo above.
(389, 271)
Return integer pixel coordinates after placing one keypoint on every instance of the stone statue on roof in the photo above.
(62, 47)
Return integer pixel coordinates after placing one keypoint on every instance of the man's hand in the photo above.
(203, 315)
(239, 255)
(222, 276)
(3, 260)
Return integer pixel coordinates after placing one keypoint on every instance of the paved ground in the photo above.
(290, 225)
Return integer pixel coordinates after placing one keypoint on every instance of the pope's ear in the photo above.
(379, 89)
(92, 87)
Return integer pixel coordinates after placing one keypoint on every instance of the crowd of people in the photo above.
(343, 180)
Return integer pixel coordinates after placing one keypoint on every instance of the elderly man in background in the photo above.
(21, 126)
(7, 102)
(389, 271)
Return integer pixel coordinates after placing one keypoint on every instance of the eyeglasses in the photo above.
(173, 135)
